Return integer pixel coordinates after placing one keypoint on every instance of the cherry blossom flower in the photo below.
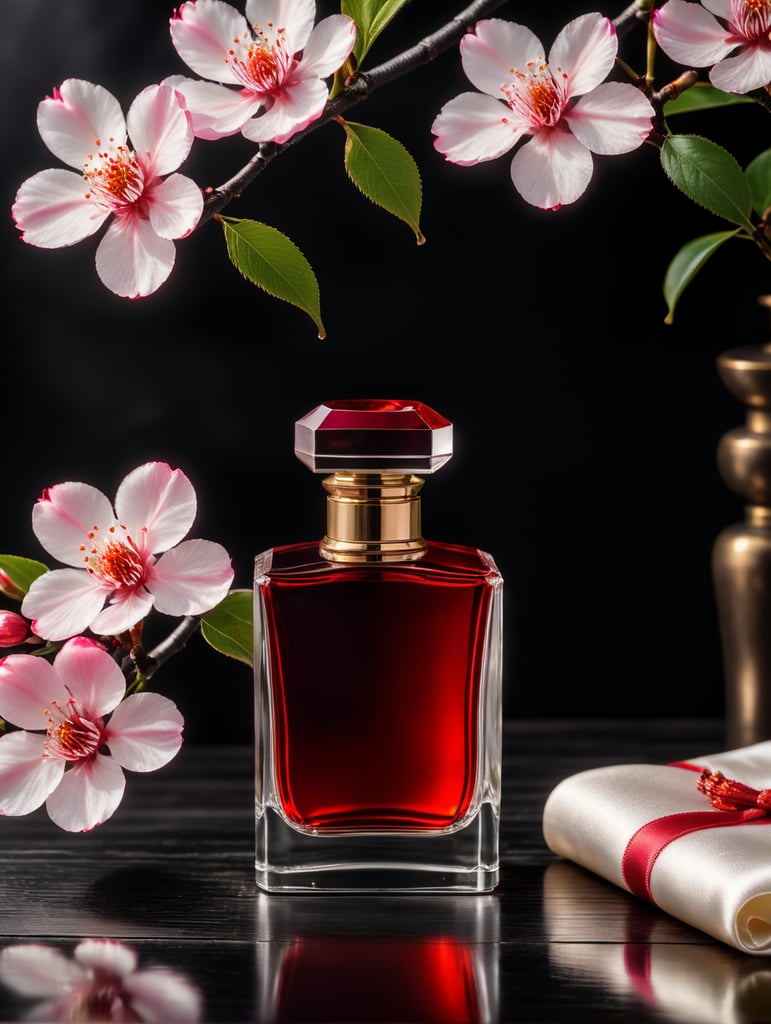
(274, 57)
(100, 983)
(559, 102)
(692, 34)
(114, 556)
(66, 751)
(83, 125)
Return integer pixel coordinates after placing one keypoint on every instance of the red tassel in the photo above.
(730, 795)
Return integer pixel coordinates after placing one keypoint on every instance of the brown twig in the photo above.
(631, 17)
(172, 644)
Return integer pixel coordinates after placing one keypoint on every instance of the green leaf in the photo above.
(759, 174)
(371, 17)
(687, 263)
(229, 628)
(385, 172)
(22, 572)
(708, 175)
(273, 262)
(703, 97)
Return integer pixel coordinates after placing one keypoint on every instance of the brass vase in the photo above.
(741, 556)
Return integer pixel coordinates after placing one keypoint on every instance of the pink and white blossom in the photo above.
(119, 166)
(265, 72)
(76, 733)
(116, 574)
(732, 37)
(563, 104)
(100, 983)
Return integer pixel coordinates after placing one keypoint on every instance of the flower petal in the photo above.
(88, 794)
(126, 609)
(690, 35)
(51, 209)
(26, 776)
(491, 53)
(132, 261)
(613, 118)
(63, 603)
(328, 47)
(551, 170)
(77, 119)
(158, 504)
(748, 70)
(295, 17)
(163, 996)
(175, 206)
(145, 732)
(91, 675)
(586, 49)
(106, 955)
(297, 105)
(472, 128)
(202, 32)
(160, 129)
(191, 578)
(720, 8)
(35, 970)
(28, 684)
(63, 518)
(216, 110)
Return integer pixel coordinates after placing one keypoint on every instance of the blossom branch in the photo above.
(560, 117)
(359, 87)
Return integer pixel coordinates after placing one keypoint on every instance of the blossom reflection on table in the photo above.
(102, 981)
(376, 959)
(662, 964)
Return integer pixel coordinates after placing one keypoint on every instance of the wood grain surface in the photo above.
(171, 874)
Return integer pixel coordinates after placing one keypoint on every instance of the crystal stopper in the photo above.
(376, 435)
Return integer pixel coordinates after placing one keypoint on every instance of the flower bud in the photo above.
(13, 629)
(9, 588)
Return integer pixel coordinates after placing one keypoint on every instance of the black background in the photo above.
(585, 428)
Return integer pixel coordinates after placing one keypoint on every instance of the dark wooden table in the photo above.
(172, 875)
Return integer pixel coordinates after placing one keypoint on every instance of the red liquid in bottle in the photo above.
(375, 673)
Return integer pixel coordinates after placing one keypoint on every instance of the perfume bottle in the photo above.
(378, 675)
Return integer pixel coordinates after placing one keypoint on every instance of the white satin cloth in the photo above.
(716, 879)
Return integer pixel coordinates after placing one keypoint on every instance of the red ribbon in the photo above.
(735, 803)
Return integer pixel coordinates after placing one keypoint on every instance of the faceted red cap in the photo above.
(381, 435)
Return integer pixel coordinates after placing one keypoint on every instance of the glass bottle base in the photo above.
(465, 860)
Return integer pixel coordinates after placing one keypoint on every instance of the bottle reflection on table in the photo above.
(368, 960)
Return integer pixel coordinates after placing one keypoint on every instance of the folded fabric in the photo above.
(659, 966)
(691, 837)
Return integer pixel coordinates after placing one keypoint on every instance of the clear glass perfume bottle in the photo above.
(378, 672)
